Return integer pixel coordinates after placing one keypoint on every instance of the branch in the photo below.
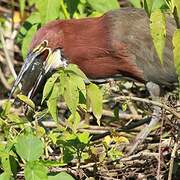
(4, 81)
(120, 98)
(9, 62)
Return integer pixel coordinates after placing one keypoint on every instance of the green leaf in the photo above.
(27, 40)
(52, 102)
(29, 147)
(158, 32)
(71, 94)
(177, 4)
(84, 137)
(72, 6)
(73, 121)
(49, 85)
(22, 6)
(49, 9)
(6, 108)
(62, 82)
(31, 2)
(33, 19)
(176, 51)
(5, 162)
(103, 5)
(26, 100)
(15, 118)
(61, 176)
(35, 171)
(136, 3)
(72, 68)
(5, 176)
(158, 4)
(95, 96)
(124, 107)
(148, 6)
(64, 13)
(80, 84)
(114, 153)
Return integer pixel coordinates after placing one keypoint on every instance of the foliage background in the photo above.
(59, 144)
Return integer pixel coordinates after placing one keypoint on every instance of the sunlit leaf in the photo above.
(61, 176)
(103, 5)
(136, 3)
(73, 121)
(49, 10)
(35, 171)
(29, 147)
(148, 6)
(64, 11)
(124, 107)
(22, 6)
(62, 82)
(49, 85)
(31, 2)
(5, 176)
(158, 4)
(176, 51)
(71, 94)
(158, 32)
(6, 108)
(33, 19)
(107, 140)
(120, 139)
(84, 137)
(26, 100)
(95, 96)
(115, 153)
(27, 40)
(52, 102)
(80, 84)
(74, 68)
(177, 4)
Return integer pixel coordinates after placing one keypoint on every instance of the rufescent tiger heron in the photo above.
(115, 45)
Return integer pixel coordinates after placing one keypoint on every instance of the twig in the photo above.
(9, 62)
(120, 98)
(160, 146)
(173, 155)
(4, 81)
(122, 115)
(108, 113)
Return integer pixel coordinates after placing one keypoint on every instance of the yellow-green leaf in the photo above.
(49, 9)
(26, 100)
(73, 121)
(103, 5)
(22, 6)
(71, 94)
(80, 83)
(52, 101)
(49, 85)
(177, 4)
(72, 68)
(27, 39)
(176, 51)
(158, 32)
(95, 96)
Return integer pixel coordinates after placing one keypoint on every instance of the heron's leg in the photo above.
(154, 91)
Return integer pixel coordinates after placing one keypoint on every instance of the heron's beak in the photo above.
(38, 63)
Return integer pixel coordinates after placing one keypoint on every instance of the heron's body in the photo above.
(118, 43)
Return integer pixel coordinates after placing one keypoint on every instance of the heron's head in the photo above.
(45, 55)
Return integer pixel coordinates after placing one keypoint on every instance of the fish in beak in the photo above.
(39, 63)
